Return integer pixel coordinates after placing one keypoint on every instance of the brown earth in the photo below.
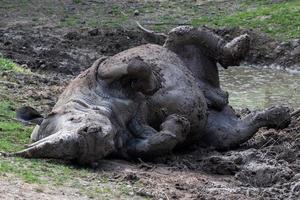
(71, 51)
(14, 189)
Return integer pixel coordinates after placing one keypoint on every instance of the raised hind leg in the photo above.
(213, 46)
(150, 143)
(201, 49)
(224, 130)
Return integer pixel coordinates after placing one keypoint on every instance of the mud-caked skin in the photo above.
(145, 101)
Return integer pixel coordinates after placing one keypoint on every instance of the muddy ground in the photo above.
(266, 167)
(67, 36)
(71, 51)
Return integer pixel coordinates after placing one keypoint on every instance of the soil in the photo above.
(14, 189)
(61, 51)
(265, 51)
(71, 51)
(266, 167)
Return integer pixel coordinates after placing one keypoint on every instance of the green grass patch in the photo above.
(77, 1)
(41, 171)
(277, 18)
(13, 135)
(7, 65)
(281, 20)
(70, 21)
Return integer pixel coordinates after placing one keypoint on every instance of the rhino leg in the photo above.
(225, 130)
(150, 143)
(138, 71)
(212, 45)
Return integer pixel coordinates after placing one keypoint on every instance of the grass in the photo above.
(13, 137)
(281, 20)
(7, 65)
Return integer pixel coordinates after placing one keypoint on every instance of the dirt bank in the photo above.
(63, 51)
(266, 51)
(71, 51)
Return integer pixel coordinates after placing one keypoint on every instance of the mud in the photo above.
(67, 52)
(71, 51)
(266, 167)
(266, 51)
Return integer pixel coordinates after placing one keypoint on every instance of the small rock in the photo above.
(296, 51)
(295, 42)
(94, 32)
(131, 177)
(136, 13)
(72, 35)
(278, 49)
(296, 188)
(262, 18)
(24, 65)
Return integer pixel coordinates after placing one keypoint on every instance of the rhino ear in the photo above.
(29, 114)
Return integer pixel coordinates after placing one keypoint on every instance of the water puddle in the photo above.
(259, 88)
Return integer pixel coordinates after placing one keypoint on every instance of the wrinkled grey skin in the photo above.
(147, 100)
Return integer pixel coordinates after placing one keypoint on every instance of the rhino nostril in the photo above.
(85, 129)
(94, 129)
(89, 130)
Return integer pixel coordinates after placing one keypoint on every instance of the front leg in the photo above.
(151, 143)
(138, 71)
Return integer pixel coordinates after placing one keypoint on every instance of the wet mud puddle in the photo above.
(258, 88)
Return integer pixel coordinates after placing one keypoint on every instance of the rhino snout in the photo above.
(95, 142)
(87, 145)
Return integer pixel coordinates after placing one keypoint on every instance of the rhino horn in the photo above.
(58, 146)
(85, 145)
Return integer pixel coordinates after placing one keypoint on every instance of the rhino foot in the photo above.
(153, 143)
(277, 117)
(234, 51)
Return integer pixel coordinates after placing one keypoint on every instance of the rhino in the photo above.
(146, 101)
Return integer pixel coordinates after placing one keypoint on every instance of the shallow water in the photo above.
(258, 88)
